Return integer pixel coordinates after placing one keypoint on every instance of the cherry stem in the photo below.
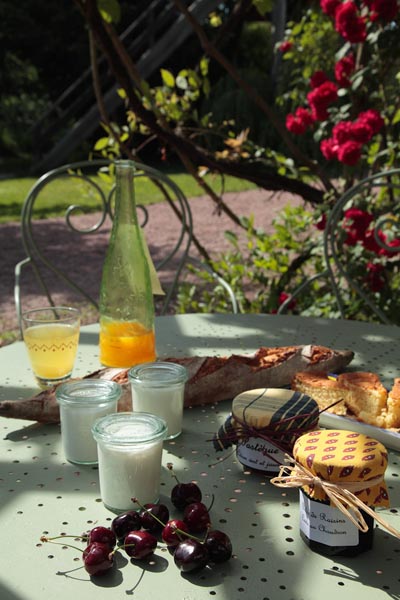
(171, 469)
(178, 531)
(51, 541)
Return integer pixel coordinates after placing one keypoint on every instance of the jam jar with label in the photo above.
(349, 460)
(264, 425)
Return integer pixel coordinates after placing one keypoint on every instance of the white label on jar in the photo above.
(326, 524)
(257, 453)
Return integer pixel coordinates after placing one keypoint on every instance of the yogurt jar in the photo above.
(81, 404)
(158, 388)
(130, 452)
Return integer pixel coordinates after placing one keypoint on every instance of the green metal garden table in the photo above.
(41, 493)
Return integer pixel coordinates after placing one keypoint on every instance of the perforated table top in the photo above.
(41, 493)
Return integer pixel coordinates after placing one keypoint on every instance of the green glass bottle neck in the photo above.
(125, 204)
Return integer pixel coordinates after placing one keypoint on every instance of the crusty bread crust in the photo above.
(361, 394)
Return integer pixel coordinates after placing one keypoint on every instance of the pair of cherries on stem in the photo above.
(190, 552)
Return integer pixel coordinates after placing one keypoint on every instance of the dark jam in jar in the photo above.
(333, 527)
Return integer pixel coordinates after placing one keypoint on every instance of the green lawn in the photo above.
(60, 195)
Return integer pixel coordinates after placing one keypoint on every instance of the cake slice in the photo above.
(323, 389)
(390, 417)
(362, 394)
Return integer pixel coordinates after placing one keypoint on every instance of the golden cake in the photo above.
(359, 394)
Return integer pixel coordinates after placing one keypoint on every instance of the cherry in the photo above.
(124, 523)
(190, 555)
(140, 544)
(154, 516)
(183, 494)
(174, 532)
(102, 535)
(196, 517)
(219, 546)
(97, 558)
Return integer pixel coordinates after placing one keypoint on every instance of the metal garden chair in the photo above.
(90, 191)
(362, 227)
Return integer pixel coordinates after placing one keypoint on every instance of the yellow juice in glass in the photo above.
(125, 343)
(52, 349)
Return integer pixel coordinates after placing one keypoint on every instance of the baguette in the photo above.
(211, 379)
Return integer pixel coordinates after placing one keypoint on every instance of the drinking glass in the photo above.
(51, 337)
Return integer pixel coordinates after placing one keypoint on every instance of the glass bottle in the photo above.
(126, 300)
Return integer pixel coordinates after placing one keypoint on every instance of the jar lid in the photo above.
(88, 392)
(341, 456)
(158, 374)
(129, 428)
(275, 408)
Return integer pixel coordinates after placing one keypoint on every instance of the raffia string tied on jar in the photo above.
(342, 469)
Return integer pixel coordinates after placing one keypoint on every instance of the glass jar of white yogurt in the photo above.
(81, 404)
(158, 388)
(130, 454)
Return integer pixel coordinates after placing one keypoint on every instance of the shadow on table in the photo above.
(7, 594)
(32, 431)
(356, 569)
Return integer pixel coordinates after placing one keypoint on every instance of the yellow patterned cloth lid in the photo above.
(340, 457)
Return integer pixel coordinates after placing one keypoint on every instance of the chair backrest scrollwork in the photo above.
(361, 251)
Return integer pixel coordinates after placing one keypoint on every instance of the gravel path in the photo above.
(85, 254)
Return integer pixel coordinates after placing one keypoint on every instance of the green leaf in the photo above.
(168, 78)
(263, 6)
(110, 10)
(181, 83)
(396, 117)
(101, 143)
(204, 66)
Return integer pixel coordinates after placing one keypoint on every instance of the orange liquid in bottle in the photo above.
(125, 343)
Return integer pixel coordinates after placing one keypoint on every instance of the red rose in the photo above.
(329, 148)
(285, 46)
(343, 69)
(386, 10)
(356, 223)
(294, 125)
(320, 98)
(284, 296)
(395, 244)
(317, 79)
(361, 132)
(349, 153)
(300, 121)
(349, 24)
(304, 115)
(375, 277)
(361, 219)
(370, 243)
(342, 132)
(373, 119)
(321, 224)
(329, 6)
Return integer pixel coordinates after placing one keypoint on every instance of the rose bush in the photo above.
(345, 105)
